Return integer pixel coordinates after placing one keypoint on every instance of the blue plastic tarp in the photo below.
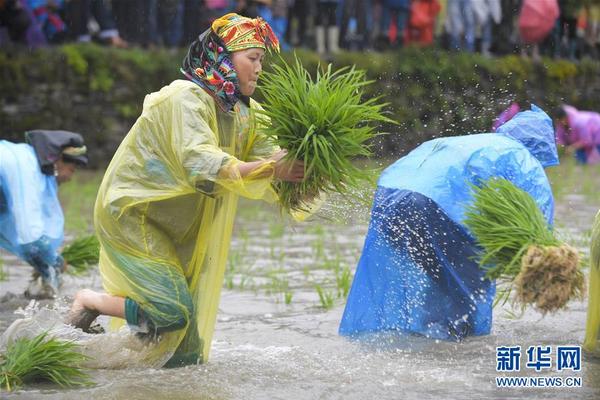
(418, 272)
(31, 218)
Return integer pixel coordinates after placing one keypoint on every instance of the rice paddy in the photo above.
(283, 295)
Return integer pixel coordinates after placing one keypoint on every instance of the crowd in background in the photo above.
(558, 28)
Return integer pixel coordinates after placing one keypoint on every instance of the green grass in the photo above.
(3, 273)
(325, 297)
(78, 198)
(42, 359)
(343, 281)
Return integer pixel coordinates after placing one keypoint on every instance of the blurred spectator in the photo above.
(78, 16)
(506, 116)
(505, 36)
(565, 33)
(355, 11)
(398, 11)
(460, 24)
(193, 20)
(132, 18)
(487, 13)
(579, 132)
(421, 23)
(165, 20)
(327, 33)
(590, 21)
(14, 17)
(48, 15)
(298, 22)
(279, 21)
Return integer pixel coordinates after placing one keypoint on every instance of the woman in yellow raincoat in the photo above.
(591, 342)
(166, 206)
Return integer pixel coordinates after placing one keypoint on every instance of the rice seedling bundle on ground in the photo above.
(325, 122)
(82, 253)
(41, 359)
(518, 246)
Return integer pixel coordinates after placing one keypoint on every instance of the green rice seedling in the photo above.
(343, 280)
(518, 246)
(276, 230)
(229, 281)
(326, 122)
(319, 248)
(42, 359)
(287, 297)
(3, 273)
(81, 254)
(325, 297)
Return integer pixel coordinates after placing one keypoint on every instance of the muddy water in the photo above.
(267, 349)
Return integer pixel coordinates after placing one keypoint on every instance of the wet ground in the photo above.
(276, 336)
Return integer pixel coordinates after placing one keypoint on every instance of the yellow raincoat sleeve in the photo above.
(210, 168)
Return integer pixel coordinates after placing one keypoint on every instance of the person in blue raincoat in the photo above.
(31, 218)
(418, 271)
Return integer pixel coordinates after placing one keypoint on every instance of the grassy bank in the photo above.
(99, 91)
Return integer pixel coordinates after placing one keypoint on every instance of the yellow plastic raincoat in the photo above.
(165, 211)
(591, 342)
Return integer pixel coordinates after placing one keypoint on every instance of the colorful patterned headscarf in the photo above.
(208, 62)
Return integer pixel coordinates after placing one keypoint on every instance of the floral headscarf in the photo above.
(208, 61)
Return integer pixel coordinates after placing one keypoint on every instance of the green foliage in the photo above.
(325, 297)
(99, 91)
(81, 254)
(326, 122)
(3, 273)
(42, 359)
(505, 221)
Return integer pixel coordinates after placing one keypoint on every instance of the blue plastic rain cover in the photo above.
(31, 219)
(417, 272)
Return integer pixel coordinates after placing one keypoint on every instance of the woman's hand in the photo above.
(287, 170)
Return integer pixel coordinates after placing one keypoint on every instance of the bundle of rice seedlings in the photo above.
(325, 122)
(519, 247)
(42, 359)
(81, 254)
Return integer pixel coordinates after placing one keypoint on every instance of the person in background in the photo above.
(579, 132)
(418, 271)
(327, 32)
(399, 11)
(359, 11)
(31, 218)
(487, 13)
(506, 116)
(421, 23)
(165, 22)
(49, 15)
(460, 24)
(78, 16)
(16, 20)
(297, 24)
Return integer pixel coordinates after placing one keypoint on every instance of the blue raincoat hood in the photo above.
(533, 129)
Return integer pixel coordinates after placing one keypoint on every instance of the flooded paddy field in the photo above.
(283, 297)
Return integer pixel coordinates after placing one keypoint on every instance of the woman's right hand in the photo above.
(287, 170)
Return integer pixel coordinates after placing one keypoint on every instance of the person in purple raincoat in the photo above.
(579, 132)
(506, 116)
